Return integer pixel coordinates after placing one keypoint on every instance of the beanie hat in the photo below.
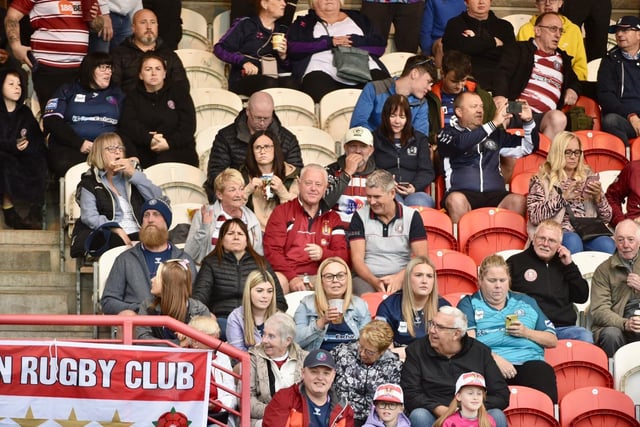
(160, 206)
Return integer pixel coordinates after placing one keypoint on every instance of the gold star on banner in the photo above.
(115, 422)
(28, 420)
(72, 421)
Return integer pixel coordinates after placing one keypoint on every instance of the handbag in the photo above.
(588, 227)
(269, 66)
(352, 63)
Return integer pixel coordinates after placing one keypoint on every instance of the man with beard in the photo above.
(129, 282)
(128, 56)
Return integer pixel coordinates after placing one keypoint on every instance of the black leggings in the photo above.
(537, 374)
(317, 83)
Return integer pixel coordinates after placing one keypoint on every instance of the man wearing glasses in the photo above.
(618, 77)
(570, 41)
(540, 73)
(229, 149)
(435, 362)
(545, 272)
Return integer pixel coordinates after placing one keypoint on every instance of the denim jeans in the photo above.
(574, 333)
(121, 30)
(575, 244)
(419, 198)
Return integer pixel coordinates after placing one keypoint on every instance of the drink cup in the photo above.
(276, 40)
(337, 303)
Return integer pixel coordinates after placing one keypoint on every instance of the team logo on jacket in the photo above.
(530, 275)
(326, 228)
(171, 104)
(412, 151)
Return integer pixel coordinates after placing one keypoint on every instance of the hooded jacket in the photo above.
(618, 88)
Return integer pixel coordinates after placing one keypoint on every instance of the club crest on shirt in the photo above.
(530, 275)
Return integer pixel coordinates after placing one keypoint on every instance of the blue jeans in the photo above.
(121, 30)
(574, 333)
(575, 244)
(619, 126)
(419, 198)
(421, 417)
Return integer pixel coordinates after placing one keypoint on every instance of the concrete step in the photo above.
(29, 250)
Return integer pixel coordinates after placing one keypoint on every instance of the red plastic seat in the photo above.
(543, 145)
(529, 407)
(597, 407)
(453, 297)
(602, 150)
(530, 163)
(456, 271)
(439, 228)
(635, 148)
(578, 364)
(373, 300)
(485, 231)
(520, 183)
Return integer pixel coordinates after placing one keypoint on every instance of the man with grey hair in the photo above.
(303, 232)
(435, 362)
(276, 363)
(615, 292)
(383, 235)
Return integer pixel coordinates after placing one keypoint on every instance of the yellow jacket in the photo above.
(571, 42)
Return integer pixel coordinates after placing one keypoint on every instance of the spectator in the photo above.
(208, 325)
(332, 315)
(129, 282)
(276, 363)
(223, 273)
(540, 74)
(614, 292)
(256, 49)
(434, 20)
(110, 194)
(618, 94)
(364, 365)
(171, 296)
(483, 36)
(545, 272)
(383, 235)
(348, 175)
(404, 153)
(561, 181)
(301, 233)
(387, 409)
(470, 152)
(118, 15)
(415, 82)
(594, 15)
(22, 154)
(205, 229)
(245, 325)
(159, 118)
(456, 78)
(405, 17)
(58, 44)
(169, 22)
(292, 405)
(570, 38)
(229, 149)
(79, 112)
(435, 362)
(270, 180)
(625, 189)
(513, 327)
(467, 407)
(312, 37)
(128, 56)
(409, 310)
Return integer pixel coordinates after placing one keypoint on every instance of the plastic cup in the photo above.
(276, 40)
(337, 303)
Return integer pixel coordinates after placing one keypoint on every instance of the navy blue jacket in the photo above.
(619, 84)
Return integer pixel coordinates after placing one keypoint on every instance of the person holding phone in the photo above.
(565, 179)
(546, 272)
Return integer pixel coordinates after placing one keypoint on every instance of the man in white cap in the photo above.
(312, 402)
(388, 407)
(348, 175)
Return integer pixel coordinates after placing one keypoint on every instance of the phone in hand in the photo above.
(590, 179)
(510, 319)
(404, 184)
(514, 107)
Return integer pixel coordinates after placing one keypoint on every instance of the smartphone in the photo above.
(33, 60)
(404, 184)
(514, 107)
(590, 178)
(510, 319)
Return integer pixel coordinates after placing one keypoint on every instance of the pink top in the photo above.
(457, 420)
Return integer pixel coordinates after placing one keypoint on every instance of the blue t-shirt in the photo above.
(337, 333)
(154, 259)
(390, 310)
(489, 324)
(318, 415)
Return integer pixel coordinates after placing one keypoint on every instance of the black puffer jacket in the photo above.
(219, 285)
(230, 148)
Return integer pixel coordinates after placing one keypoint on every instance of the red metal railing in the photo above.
(128, 324)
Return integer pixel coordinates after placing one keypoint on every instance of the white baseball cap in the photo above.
(470, 378)
(360, 134)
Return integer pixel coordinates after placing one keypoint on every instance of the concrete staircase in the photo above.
(31, 283)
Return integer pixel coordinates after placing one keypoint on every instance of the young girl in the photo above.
(467, 407)
(171, 290)
(245, 324)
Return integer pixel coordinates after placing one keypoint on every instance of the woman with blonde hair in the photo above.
(564, 179)
(409, 310)
(171, 296)
(332, 315)
(245, 324)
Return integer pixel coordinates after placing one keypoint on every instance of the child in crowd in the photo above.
(388, 407)
(467, 407)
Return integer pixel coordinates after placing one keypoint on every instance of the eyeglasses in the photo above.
(386, 405)
(104, 67)
(572, 153)
(184, 263)
(263, 147)
(260, 119)
(547, 240)
(114, 149)
(553, 28)
(625, 29)
(367, 352)
(334, 277)
(439, 328)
